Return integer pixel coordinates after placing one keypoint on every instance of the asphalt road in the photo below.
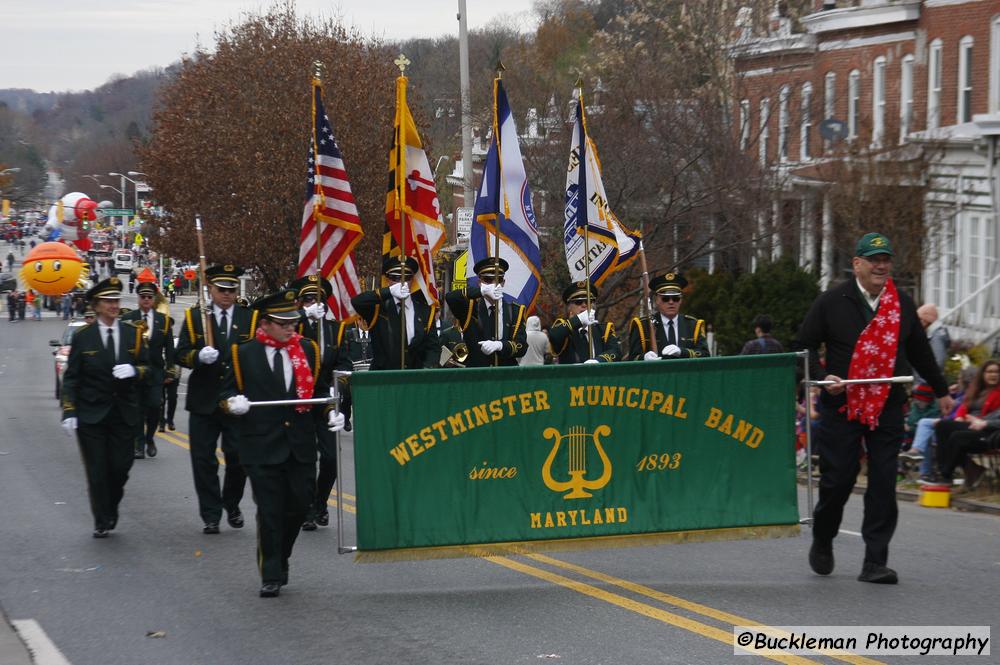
(159, 591)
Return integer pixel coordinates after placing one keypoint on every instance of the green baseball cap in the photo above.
(872, 244)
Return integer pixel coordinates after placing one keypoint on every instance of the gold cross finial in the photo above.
(402, 62)
(318, 69)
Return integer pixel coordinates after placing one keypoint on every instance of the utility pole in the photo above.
(463, 62)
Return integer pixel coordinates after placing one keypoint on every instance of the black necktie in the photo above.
(279, 370)
(493, 318)
(223, 328)
(671, 337)
(109, 345)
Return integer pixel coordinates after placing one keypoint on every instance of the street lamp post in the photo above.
(122, 192)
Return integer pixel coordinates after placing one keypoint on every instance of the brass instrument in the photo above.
(454, 357)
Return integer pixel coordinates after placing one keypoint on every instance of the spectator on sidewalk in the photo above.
(979, 413)
(939, 339)
(763, 342)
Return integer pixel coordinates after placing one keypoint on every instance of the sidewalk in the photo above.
(12, 649)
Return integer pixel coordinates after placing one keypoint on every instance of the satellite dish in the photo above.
(832, 129)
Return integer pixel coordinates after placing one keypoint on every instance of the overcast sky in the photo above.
(62, 45)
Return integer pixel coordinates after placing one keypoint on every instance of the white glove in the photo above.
(651, 355)
(208, 355)
(123, 371)
(672, 350)
(335, 421)
(238, 405)
(590, 361)
(400, 290)
(490, 346)
(315, 311)
(69, 426)
(587, 318)
(493, 291)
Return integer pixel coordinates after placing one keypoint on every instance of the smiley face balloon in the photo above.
(52, 268)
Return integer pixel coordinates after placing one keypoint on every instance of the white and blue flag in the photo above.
(589, 224)
(504, 205)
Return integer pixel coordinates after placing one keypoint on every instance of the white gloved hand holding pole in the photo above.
(400, 290)
(123, 371)
(69, 426)
(587, 318)
(672, 350)
(315, 311)
(490, 346)
(591, 361)
(335, 421)
(651, 355)
(238, 405)
(208, 355)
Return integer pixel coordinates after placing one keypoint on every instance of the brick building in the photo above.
(887, 80)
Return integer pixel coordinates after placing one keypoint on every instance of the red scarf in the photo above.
(304, 384)
(874, 357)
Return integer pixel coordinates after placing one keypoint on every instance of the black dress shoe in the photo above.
(163, 427)
(101, 532)
(876, 573)
(270, 589)
(151, 449)
(211, 528)
(170, 426)
(309, 525)
(139, 453)
(323, 518)
(821, 557)
(235, 518)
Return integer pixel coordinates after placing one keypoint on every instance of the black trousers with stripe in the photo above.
(284, 493)
(106, 451)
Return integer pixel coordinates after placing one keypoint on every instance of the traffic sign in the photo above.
(458, 279)
(116, 212)
(463, 225)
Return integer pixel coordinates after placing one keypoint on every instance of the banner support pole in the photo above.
(807, 385)
(341, 548)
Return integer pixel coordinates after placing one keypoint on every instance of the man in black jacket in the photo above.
(277, 444)
(380, 314)
(108, 359)
(569, 338)
(675, 335)
(231, 324)
(491, 343)
(870, 330)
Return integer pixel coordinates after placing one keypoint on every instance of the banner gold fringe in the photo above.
(573, 544)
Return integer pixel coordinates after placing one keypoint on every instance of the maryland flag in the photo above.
(413, 221)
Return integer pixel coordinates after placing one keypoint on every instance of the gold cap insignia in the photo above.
(229, 267)
(289, 295)
(313, 278)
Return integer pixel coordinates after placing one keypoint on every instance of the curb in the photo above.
(12, 650)
(957, 502)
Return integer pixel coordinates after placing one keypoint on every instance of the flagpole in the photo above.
(583, 208)
(317, 190)
(646, 295)
(501, 200)
(402, 61)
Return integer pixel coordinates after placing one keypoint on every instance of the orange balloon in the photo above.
(52, 268)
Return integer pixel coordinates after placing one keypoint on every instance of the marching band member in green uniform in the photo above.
(108, 359)
(159, 334)
(311, 293)
(475, 308)
(231, 324)
(677, 336)
(380, 313)
(277, 444)
(569, 337)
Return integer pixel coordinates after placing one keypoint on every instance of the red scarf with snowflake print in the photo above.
(874, 357)
(301, 372)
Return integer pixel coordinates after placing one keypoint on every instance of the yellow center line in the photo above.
(697, 608)
(185, 445)
(656, 613)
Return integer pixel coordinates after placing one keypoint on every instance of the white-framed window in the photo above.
(905, 97)
(853, 103)
(995, 65)
(805, 121)
(934, 70)
(829, 100)
(965, 79)
(878, 101)
(784, 122)
(765, 116)
(744, 124)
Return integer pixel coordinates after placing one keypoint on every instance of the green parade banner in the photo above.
(598, 454)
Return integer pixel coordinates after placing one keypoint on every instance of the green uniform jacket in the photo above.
(205, 382)
(569, 341)
(471, 311)
(161, 349)
(272, 434)
(690, 337)
(89, 389)
(335, 346)
(380, 316)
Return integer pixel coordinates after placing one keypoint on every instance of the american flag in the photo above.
(330, 208)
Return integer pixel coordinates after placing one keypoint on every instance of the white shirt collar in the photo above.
(869, 298)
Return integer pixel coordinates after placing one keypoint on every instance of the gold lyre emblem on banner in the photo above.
(576, 440)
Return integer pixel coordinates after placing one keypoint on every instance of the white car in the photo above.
(123, 261)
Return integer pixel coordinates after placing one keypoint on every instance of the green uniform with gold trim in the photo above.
(690, 337)
(568, 339)
(380, 315)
